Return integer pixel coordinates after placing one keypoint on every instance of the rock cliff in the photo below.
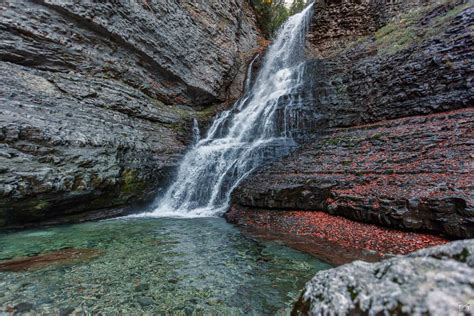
(96, 97)
(392, 85)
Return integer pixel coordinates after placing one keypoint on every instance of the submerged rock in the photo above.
(23, 307)
(60, 257)
(145, 301)
(433, 281)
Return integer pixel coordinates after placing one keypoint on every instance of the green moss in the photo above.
(453, 12)
(332, 141)
(405, 31)
(462, 257)
(346, 162)
(442, 20)
(377, 136)
(207, 113)
(395, 36)
(131, 183)
(41, 205)
(343, 140)
(353, 292)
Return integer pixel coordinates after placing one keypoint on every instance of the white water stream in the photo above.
(257, 129)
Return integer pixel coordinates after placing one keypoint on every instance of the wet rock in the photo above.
(45, 301)
(23, 307)
(173, 281)
(66, 311)
(96, 99)
(60, 257)
(380, 72)
(433, 281)
(345, 173)
(194, 56)
(188, 311)
(373, 71)
(142, 287)
(145, 301)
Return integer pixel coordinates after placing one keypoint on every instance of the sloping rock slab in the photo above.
(433, 281)
(335, 239)
(412, 173)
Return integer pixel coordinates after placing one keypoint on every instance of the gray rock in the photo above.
(96, 99)
(394, 97)
(433, 281)
(66, 311)
(145, 301)
(23, 307)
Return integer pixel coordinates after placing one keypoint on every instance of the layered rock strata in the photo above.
(409, 173)
(97, 98)
(394, 143)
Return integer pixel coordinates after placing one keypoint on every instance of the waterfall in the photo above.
(257, 129)
(248, 79)
(196, 132)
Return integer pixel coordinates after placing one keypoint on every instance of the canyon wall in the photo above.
(392, 86)
(97, 97)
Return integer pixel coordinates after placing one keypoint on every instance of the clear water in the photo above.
(153, 266)
(257, 129)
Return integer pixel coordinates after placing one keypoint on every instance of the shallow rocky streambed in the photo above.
(149, 265)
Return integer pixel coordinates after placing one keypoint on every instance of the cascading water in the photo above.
(258, 128)
(196, 132)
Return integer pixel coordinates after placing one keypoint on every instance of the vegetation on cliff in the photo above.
(273, 13)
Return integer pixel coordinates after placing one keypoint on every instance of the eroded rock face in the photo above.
(408, 173)
(178, 52)
(418, 63)
(97, 98)
(406, 167)
(338, 23)
(433, 281)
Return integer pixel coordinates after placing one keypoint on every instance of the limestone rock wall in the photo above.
(97, 97)
(409, 173)
(381, 153)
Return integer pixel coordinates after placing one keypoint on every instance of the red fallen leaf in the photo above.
(340, 230)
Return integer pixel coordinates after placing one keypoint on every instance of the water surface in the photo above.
(152, 266)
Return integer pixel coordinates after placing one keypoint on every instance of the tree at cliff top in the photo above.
(273, 13)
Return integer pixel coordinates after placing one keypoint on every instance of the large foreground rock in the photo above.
(433, 281)
(96, 99)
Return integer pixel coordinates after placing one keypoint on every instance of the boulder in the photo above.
(432, 281)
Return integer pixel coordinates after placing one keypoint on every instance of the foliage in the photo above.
(273, 13)
(297, 6)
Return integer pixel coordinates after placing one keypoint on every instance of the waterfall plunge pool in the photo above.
(152, 266)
